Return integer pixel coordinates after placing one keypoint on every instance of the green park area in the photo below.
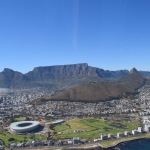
(94, 127)
(9, 138)
(20, 119)
(90, 128)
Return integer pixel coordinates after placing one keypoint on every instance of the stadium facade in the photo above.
(24, 126)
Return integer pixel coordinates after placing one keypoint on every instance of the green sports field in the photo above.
(20, 119)
(94, 127)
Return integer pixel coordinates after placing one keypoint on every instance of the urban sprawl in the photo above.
(18, 103)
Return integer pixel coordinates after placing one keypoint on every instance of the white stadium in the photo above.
(24, 126)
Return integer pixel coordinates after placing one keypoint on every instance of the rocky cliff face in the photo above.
(68, 75)
(72, 71)
(62, 71)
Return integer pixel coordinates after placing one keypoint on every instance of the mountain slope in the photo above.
(103, 91)
(10, 79)
(146, 74)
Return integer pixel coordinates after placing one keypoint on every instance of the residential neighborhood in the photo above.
(15, 104)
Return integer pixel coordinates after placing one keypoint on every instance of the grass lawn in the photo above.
(94, 127)
(6, 136)
(20, 119)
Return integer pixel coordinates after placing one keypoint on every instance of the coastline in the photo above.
(108, 145)
(95, 146)
(105, 145)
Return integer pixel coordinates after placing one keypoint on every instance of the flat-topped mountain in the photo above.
(72, 71)
(94, 92)
(62, 71)
(62, 76)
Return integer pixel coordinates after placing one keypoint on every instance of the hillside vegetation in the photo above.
(94, 92)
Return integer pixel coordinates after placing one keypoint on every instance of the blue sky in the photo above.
(110, 34)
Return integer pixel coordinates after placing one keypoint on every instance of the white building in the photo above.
(70, 142)
(134, 132)
(76, 141)
(126, 133)
(104, 137)
(13, 145)
(110, 136)
(147, 127)
(139, 129)
(120, 135)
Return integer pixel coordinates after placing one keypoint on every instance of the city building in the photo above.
(126, 133)
(134, 132)
(147, 127)
(139, 129)
(120, 135)
(104, 137)
(110, 135)
(76, 141)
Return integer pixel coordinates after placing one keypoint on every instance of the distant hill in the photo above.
(146, 74)
(94, 92)
(11, 79)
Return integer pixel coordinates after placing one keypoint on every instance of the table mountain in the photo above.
(63, 76)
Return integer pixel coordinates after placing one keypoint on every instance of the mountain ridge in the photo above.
(59, 75)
